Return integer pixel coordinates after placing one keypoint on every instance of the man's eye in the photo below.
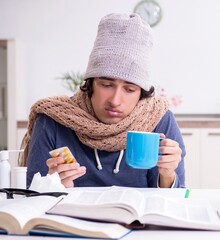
(106, 84)
(130, 90)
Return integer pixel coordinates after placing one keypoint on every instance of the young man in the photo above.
(115, 98)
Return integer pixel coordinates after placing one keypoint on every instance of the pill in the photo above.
(65, 153)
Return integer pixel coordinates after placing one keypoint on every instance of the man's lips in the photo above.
(113, 112)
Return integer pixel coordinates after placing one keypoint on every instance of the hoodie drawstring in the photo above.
(99, 165)
(116, 169)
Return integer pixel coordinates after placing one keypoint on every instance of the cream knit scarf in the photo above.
(77, 113)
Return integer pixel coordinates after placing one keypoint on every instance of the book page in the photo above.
(189, 213)
(68, 226)
(182, 208)
(116, 196)
(118, 205)
(23, 209)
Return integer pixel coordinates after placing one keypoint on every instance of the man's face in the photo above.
(113, 99)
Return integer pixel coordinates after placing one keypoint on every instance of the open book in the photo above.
(128, 205)
(25, 216)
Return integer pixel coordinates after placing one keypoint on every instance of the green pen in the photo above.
(187, 193)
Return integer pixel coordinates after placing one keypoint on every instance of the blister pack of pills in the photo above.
(65, 153)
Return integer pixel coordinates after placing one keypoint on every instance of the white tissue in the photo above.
(48, 183)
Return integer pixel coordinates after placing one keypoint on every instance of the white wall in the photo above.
(3, 97)
(55, 36)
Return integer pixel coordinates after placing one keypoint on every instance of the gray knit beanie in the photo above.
(122, 50)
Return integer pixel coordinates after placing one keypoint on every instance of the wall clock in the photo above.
(150, 11)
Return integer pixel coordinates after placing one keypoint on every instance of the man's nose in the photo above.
(115, 98)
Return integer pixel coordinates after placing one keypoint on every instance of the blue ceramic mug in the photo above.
(142, 149)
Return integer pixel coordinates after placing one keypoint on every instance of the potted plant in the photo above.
(72, 81)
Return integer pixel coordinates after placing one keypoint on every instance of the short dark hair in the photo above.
(88, 87)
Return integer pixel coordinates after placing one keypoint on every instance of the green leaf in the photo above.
(72, 81)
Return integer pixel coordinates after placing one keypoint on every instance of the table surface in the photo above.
(212, 194)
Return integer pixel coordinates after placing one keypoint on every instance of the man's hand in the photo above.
(67, 172)
(168, 161)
